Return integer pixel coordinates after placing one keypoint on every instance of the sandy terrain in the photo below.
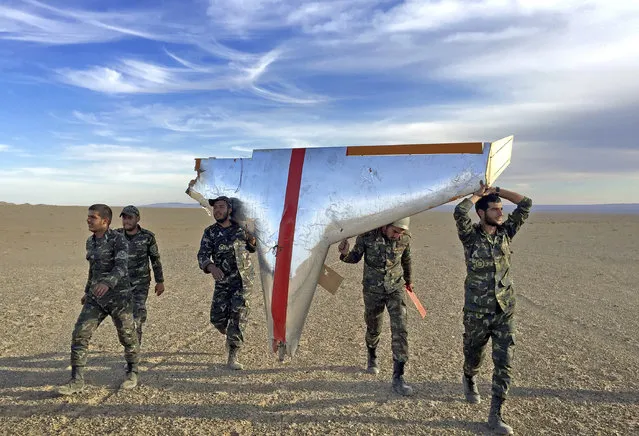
(577, 355)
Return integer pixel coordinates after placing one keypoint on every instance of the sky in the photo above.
(112, 101)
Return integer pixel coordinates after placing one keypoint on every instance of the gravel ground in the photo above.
(577, 353)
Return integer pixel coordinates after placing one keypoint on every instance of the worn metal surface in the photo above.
(341, 195)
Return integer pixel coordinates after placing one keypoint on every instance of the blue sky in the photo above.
(109, 102)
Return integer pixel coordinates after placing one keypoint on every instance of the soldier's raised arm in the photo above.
(519, 215)
(355, 255)
(462, 220)
(251, 241)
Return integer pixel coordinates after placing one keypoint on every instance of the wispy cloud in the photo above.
(567, 146)
(507, 34)
(42, 23)
(112, 173)
(88, 118)
(226, 76)
(63, 26)
(126, 162)
(138, 77)
(243, 71)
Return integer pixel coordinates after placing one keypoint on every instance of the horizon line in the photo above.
(192, 204)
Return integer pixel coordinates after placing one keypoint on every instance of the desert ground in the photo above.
(577, 353)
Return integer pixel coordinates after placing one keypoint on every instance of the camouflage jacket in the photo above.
(387, 264)
(108, 263)
(228, 249)
(142, 247)
(488, 282)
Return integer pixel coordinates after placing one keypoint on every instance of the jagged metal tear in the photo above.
(340, 196)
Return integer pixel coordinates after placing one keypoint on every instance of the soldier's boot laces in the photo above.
(470, 389)
(399, 385)
(373, 367)
(76, 384)
(233, 363)
(495, 422)
(131, 378)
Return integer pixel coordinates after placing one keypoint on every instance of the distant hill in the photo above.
(620, 208)
(173, 205)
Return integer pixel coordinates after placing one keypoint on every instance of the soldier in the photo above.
(107, 292)
(142, 247)
(387, 269)
(224, 253)
(489, 294)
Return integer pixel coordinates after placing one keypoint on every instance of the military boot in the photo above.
(495, 423)
(76, 384)
(232, 363)
(281, 351)
(373, 367)
(131, 379)
(399, 386)
(470, 389)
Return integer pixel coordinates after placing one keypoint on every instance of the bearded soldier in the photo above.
(489, 293)
(224, 253)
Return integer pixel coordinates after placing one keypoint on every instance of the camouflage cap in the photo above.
(402, 224)
(221, 198)
(130, 211)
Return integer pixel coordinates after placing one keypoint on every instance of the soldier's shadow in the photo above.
(33, 379)
(20, 376)
(30, 381)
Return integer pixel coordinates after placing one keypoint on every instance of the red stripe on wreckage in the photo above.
(281, 276)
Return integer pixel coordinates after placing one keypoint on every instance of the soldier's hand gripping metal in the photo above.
(343, 247)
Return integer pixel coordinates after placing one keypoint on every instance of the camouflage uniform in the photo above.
(107, 258)
(489, 293)
(228, 248)
(142, 247)
(387, 266)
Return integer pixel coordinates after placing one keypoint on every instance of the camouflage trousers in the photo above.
(90, 318)
(140, 294)
(500, 327)
(374, 305)
(230, 310)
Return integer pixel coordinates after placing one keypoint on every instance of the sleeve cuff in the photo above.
(205, 264)
(464, 206)
(525, 202)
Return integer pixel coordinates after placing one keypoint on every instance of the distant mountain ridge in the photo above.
(620, 208)
(172, 205)
(611, 208)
